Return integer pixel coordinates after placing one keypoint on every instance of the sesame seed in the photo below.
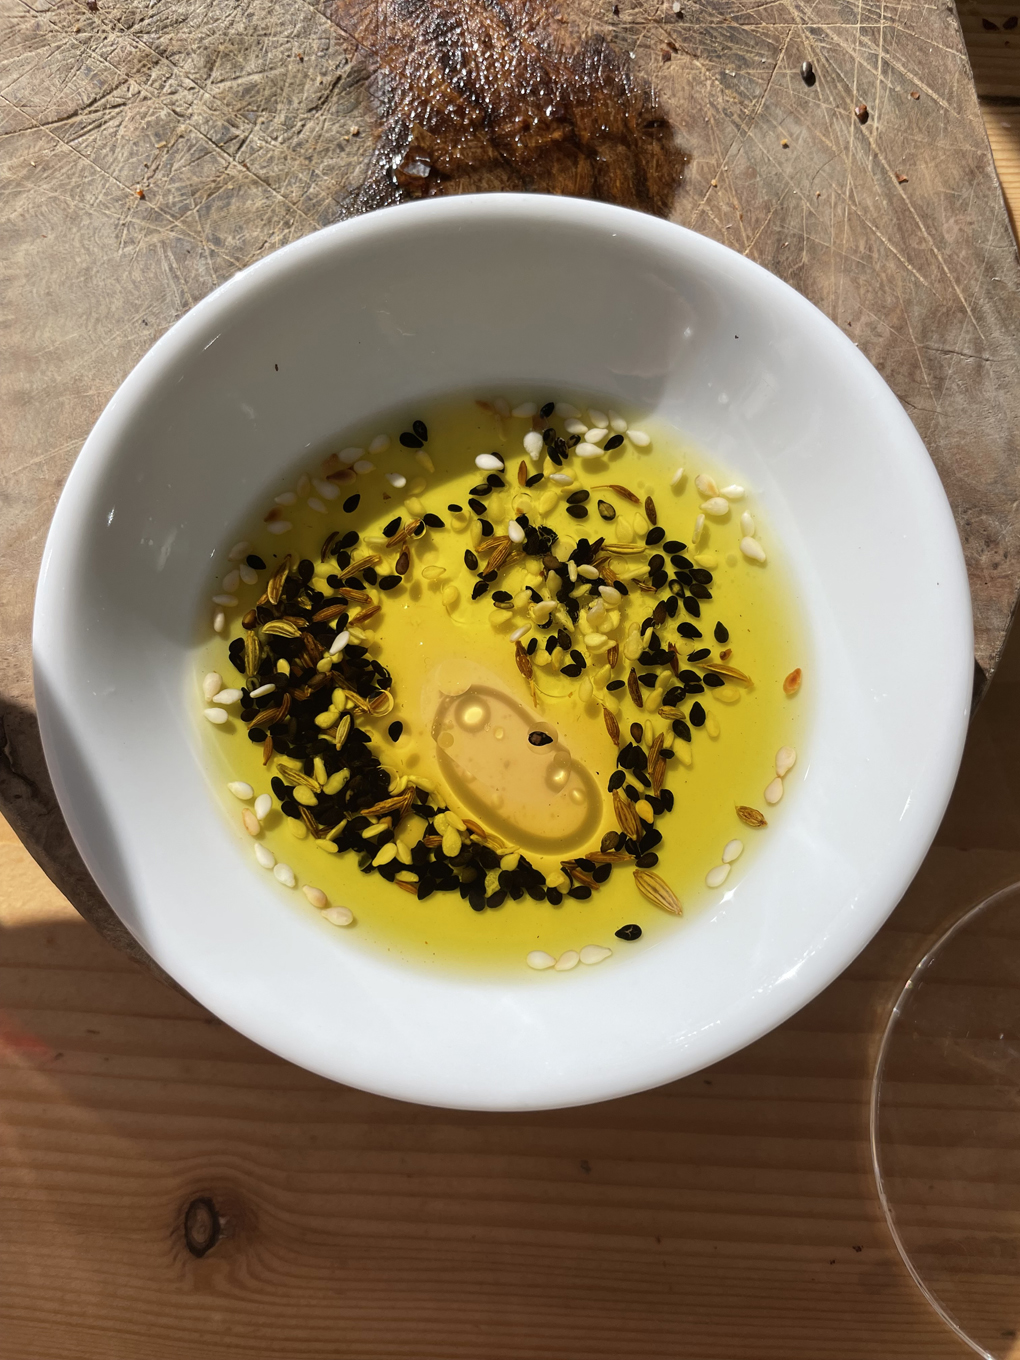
(574, 426)
(732, 850)
(526, 408)
(540, 960)
(352, 502)
(364, 466)
(752, 549)
(629, 932)
(250, 822)
(566, 410)
(339, 642)
(262, 689)
(241, 790)
(774, 792)
(594, 953)
(515, 532)
(238, 551)
(396, 479)
(786, 758)
(561, 478)
(348, 457)
(248, 574)
(379, 444)
(227, 697)
(747, 525)
(228, 601)
(279, 526)
(533, 445)
(596, 434)
(316, 896)
(733, 493)
(586, 450)
(570, 959)
(639, 438)
(216, 715)
(231, 581)
(338, 916)
(284, 874)
(211, 685)
(263, 806)
(489, 462)
(677, 477)
(716, 877)
(264, 855)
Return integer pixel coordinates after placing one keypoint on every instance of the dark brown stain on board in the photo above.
(478, 96)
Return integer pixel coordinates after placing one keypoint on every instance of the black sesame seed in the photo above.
(616, 684)
(278, 787)
(534, 479)
(255, 562)
(615, 780)
(470, 560)
(482, 489)
(495, 481)
(455, 508)
(722, 633)
(480, 588)
(577, 658)
(577, 511)
(256, 734)
(673, 546)
(681, 730)
(391, 528)
(655, 535)
(410, 441)
(539, 738)
(648, 861)
(692, 606)
(554, 897)
(697, 715)
(421, 430)
(532, 646)
(578, 497)
(501, 596)
(631, 932)
(713, 681)
(581, 893)
(807, 73)
(371, 576)
(688, 630)
(394, 730)
(433, 521)
(352, 502)
(388, 582)
(613, 442)
(546, 411)
(476, 505)
(699, 654)
(656, 562)
(486, 528)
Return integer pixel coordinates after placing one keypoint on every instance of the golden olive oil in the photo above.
(467, 712)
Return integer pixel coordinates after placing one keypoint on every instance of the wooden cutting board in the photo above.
(150, 150)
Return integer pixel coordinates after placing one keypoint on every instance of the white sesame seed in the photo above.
(774, 792)
(751, 548)
(329, 491)
(227, 697)
(585, 689)
(594, 953)
(262, 689)
(219, 621)
(315, 504)
(595, 642)
(250, 822)
(590, 573)
(515, 532)
(339, 642)
(561, 478)
(364, 466)
(396, 479)
(279, 526)
(248, 574)
(677, 477)
(572, 570)
(264, 855)
(228, 601)
(238, 551)
(501, 406)
(699, 526)
(241, 790)
(597, 417)
(284, 874)
(611, 595)
(304, 485)
(378, 445)
(706, 485)
(348, 457)
(569, 959)
(211, 685)
(539, 959)
(786, 758)
(518, 633)
(639, 438)
(586, 450)
(716, 877)
(566, 410)
(733, 493)
(575, 426)
(231, 581)
(543, 608)
(526, 408)
(338, 916)
(489, 462)
(747, 525)
(285, 498)
(316, 896)
(426, 462)
(732, 850)
(596, 434)
(433, 572)
(263, 806)
(715, 506)
(617, 423)
(533, 445)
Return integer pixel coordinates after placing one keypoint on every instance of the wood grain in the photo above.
(731, 1216)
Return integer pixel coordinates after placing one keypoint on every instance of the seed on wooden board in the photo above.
(338, 916)
(716, 877)
(792, 682)
(216, 715)
(807, 73)
(786, 758)
(732, 850)
(774, 792)
(861, 113)
(540, 960)
(250, 822)
(241, 790)
(657, 891)
(752, 549)
(316, 896)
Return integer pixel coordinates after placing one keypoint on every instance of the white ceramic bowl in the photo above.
(491, 291)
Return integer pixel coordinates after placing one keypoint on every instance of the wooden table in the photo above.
(727, 1216)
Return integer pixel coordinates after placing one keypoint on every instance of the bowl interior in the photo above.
(497, 293)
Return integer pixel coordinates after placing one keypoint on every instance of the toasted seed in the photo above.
(540, 960)
(774, 792)
(338, 916)
(250, 822)
(657, 891)
(786, 758)
(716, 877)
(792, 682)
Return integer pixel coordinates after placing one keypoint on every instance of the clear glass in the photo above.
(945, 1126)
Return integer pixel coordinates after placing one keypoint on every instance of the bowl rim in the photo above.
(102, 450)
